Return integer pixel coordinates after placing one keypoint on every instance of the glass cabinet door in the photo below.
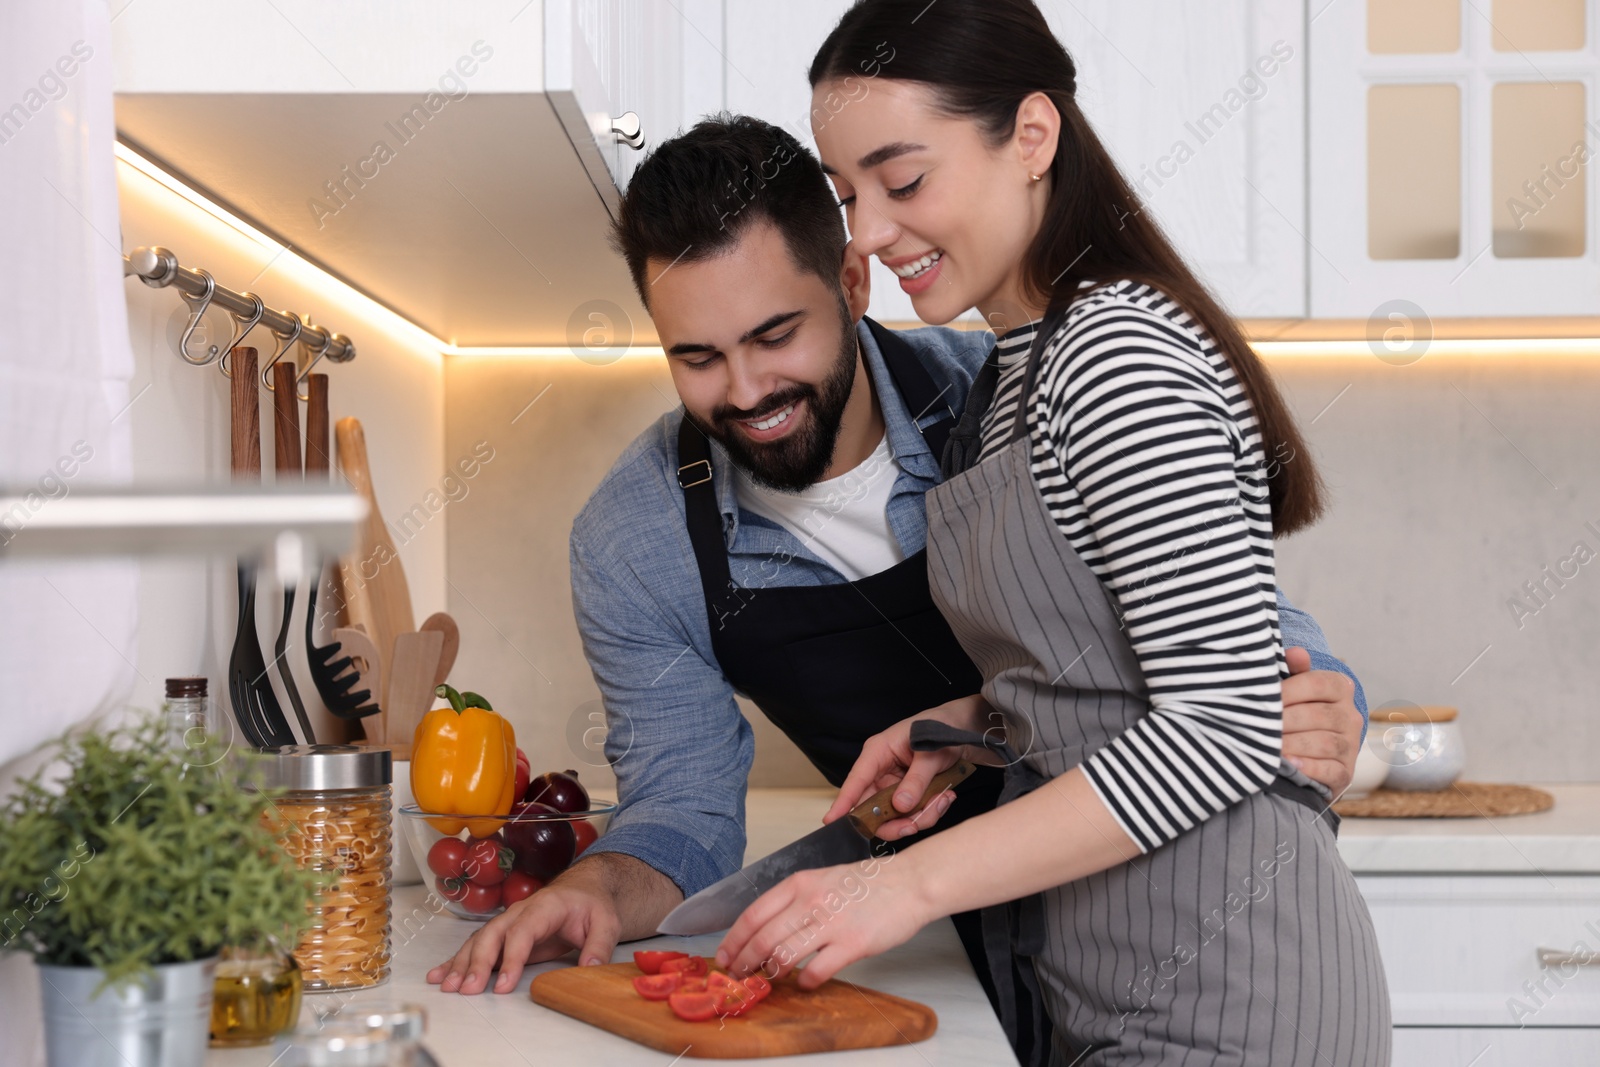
(1451, 144)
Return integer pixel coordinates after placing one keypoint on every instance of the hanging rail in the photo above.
(158, 268)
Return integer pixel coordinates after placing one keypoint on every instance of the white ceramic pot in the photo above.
(1422, 745)
(161, 1021)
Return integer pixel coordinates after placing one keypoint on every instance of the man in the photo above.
(767, 539)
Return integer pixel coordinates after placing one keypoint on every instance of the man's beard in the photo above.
(800, 458)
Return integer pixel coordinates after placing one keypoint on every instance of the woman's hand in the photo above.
(887, 758)
(841, 914)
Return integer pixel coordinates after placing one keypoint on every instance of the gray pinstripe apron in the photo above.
(1242, 942)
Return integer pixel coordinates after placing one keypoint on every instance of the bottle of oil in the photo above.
(257, 997)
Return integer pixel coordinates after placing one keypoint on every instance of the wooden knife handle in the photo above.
(879, 808)
(285, 422)
(245, 460)
(317, 424)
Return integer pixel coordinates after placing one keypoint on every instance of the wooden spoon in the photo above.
(445, 623)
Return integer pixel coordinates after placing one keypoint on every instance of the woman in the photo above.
(1103, 549)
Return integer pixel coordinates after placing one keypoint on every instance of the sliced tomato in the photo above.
(759, 985)
(694, 1007)
(693, 985)
(736, 1000)
(717, 982)
(693, 966)
(657, 986)
(650, 962)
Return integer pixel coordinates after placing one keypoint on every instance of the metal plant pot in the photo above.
(162, 1021)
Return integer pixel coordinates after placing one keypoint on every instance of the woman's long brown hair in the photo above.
(982, 58)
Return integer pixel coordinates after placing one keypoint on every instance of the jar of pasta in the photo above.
(334, 817)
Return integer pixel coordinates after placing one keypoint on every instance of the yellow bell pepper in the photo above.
(464, 762)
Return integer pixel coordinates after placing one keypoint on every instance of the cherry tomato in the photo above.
(586, 835)
(488, 860)
(690, 966)
(650, 962)
(448, 858)
(481, 899)
(524, 776)
(452, 888)
(657, 986)
(518, 886)
(694, 1007)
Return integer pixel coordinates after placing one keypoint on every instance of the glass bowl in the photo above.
(496, 854)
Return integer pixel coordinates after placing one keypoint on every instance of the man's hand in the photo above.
(600, 900)
(1321, 725)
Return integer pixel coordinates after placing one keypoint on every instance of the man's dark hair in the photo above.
(699, 193)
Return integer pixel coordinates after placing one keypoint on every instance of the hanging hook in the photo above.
(197, 310)
(241, 327)
(287, 341)
(327, 343)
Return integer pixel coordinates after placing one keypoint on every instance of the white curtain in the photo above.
(66, 630)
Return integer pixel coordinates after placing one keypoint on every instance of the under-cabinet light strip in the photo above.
(1530, 347)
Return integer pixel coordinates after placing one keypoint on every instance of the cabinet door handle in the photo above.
(628, 130)
(1552, 957)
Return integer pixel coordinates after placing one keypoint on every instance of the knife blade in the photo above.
(845, 840)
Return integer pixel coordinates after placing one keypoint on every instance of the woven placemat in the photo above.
(1461, 800)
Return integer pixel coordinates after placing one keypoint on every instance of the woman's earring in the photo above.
(1036, 177)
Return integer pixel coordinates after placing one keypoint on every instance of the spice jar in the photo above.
(185, 713)
(334, 818)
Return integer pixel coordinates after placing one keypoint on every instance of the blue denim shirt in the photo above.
(679, 745)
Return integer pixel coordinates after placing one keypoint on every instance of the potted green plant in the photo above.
(128, 865)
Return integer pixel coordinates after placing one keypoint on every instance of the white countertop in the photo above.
(931, 968)
(1562, 840)
(509, 1029)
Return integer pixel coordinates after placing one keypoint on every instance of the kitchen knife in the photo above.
(845, 840)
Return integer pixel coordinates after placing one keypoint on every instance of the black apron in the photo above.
(832, 665)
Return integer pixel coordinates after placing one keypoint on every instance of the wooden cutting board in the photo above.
(373, 582)
(837, 1015)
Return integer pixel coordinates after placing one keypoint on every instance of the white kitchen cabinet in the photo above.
(455, 162)
(1492, 1047)
(1464, 950)
(1450, 143)
(1484, 926)
(1202, 107)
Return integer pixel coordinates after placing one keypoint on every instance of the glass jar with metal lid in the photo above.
(334, 817)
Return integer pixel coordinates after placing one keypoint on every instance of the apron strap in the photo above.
(917, 388)
(966, 440)
(702, 515)
(1047, 329)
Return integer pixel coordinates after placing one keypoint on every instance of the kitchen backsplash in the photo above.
(1444, 479)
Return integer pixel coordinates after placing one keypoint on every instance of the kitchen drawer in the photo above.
(1427, 1046)
(1463, 950)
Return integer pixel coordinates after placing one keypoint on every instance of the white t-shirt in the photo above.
(843, 520)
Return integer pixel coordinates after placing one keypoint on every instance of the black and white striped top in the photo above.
(1148, 456)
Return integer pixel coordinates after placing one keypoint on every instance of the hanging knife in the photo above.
(845, 840)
